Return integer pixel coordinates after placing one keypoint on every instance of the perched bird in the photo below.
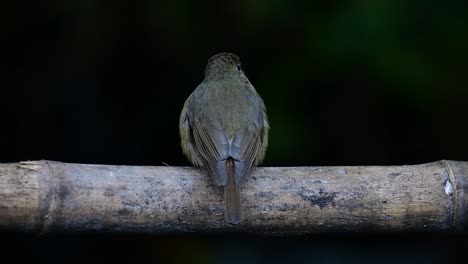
(224, 129)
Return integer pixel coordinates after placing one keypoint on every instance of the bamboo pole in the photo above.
(47, 196)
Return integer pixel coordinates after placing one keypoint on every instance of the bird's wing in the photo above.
(186, 136)
(244, 149)
(213, 144)
(248, 146)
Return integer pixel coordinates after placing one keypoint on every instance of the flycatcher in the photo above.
(224, 129)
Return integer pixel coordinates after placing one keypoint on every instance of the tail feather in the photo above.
(232, 197)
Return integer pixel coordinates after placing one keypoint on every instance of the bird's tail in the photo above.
(232, 198)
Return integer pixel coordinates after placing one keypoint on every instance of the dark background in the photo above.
(358, 82)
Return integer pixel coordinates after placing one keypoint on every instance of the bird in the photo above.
(224, 129)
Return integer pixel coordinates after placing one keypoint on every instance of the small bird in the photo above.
(224, 129)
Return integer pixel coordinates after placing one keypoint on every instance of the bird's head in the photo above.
(223, 66)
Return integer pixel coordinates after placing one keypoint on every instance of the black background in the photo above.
(344, 82)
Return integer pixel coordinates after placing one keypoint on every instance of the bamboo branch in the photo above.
(47, 196)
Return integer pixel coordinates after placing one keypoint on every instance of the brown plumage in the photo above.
(224, 128)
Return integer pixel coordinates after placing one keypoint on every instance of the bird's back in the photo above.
(229, 121)
(231, 105)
